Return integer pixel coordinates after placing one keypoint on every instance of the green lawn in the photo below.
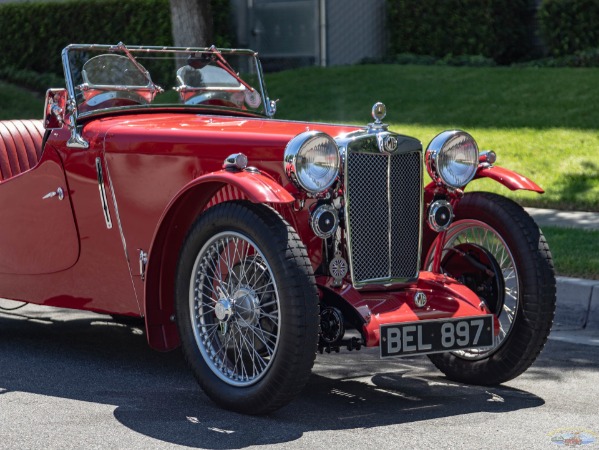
(575, 252)
(17, 103)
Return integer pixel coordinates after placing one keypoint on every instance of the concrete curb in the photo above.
(577, 304)
(565, 219)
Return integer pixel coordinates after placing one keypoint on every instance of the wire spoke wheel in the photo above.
(234, 309)
(474, 233)
(496, 249)
(246, 307)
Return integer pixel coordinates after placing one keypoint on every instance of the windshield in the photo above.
(101, 78)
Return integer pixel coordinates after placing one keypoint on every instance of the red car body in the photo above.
(100, 226)
(164, 170)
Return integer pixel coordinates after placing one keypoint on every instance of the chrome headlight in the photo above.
(452, 158)
(312, 161)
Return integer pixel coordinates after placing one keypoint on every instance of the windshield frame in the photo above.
(131, 51)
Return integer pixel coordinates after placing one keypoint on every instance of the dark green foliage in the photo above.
(583, 58)
(221, 15)
(427, 60)
(35, 33)
(36, 81)
(497, 29)
(569, 26)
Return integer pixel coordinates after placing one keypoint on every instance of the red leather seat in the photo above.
(20, 146)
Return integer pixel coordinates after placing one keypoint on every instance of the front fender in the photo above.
(176, 220)
(258, 188)
(508, 178)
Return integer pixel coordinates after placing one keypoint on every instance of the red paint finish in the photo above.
(161, 170)
(155, 160)
(508, 178)
(100, 279)
(147, 161)
(37, 235)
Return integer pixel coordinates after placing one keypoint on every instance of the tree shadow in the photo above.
(571, 186)
(96, 360)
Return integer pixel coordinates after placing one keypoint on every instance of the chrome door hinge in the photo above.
(143, 262)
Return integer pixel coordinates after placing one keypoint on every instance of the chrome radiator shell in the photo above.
(383, 208)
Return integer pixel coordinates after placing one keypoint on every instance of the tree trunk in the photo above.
(192, 23)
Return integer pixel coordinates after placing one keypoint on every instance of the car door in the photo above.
(38, 234)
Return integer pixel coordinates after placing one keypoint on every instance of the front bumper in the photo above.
(445, 298)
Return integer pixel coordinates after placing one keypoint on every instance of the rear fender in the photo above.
(182, 211)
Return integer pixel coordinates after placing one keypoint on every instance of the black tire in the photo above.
(254, 350)
(521, 339)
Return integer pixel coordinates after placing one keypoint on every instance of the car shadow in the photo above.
(90, 358)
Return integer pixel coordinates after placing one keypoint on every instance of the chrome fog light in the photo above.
(324, 221)
(440, 215)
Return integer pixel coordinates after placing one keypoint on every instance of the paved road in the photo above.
(77, 380)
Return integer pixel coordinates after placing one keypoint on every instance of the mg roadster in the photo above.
(159, 186)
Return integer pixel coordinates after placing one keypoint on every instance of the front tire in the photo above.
(498, 251)
(247, 307)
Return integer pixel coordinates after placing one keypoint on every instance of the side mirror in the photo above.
(55, 108)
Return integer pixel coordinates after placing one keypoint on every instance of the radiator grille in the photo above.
(383, 211)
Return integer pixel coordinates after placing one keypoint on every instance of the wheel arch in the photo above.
(182, 211)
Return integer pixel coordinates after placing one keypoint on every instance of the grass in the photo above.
(575, 252)
(18, 103)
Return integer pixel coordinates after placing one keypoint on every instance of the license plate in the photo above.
(436, 336)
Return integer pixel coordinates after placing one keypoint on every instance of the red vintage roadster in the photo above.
(159, 186)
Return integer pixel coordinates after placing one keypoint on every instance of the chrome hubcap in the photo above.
(247, 307)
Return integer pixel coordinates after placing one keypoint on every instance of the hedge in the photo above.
(497, 29)
(569, 26)
(35, 33)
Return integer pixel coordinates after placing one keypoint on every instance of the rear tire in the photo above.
(509, 243)
(247, 307)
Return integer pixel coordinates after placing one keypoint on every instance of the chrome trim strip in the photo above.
(389, 219)
(102, 189)
(158, 49)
